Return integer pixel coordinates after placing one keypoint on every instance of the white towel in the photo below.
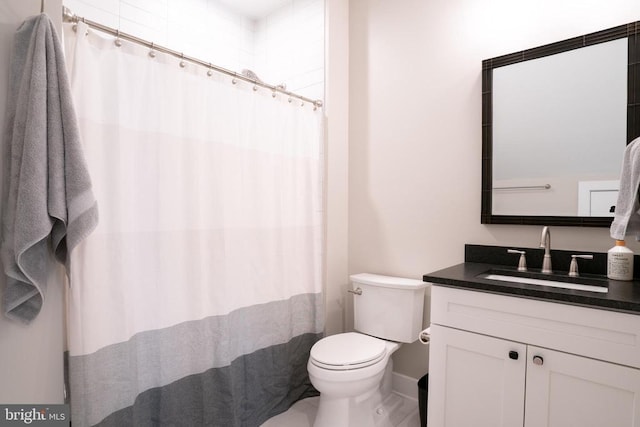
(627, 214)
(48, 206)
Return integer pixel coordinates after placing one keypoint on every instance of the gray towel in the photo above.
(48, 206)
(627, 215)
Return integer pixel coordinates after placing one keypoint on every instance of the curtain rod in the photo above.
(69, 16)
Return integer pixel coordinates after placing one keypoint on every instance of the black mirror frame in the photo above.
(632, 31)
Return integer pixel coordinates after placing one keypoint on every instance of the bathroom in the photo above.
(403, 147)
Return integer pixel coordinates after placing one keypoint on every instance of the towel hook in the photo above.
(41, 6)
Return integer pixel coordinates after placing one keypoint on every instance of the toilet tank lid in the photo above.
(388, 281)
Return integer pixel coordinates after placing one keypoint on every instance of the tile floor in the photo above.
(401, 412)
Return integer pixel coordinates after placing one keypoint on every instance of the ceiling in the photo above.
(254, 9)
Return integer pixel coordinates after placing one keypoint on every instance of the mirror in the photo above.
(555, 122)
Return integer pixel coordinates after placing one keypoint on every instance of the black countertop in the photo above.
(622, 296)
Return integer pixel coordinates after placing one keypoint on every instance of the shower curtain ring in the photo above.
(182, 63)
(118, 42)
(234, 81)
(152, 53)
(210, 71)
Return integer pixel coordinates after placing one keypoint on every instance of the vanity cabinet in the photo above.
(472, 380)
(569, 390)
(497, 360)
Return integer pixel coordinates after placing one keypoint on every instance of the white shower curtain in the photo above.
(197, 298)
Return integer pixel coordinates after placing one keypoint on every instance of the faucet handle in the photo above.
(573, 268)
(522, 263)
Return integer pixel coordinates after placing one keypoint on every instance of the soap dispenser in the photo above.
(620, 262)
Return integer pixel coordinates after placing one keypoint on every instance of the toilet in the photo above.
(352, 371)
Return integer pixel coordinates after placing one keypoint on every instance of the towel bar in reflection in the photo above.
(525, 187)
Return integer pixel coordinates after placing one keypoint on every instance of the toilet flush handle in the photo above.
(356, 291)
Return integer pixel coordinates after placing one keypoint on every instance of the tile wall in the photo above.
(284, 46)
(290, 47)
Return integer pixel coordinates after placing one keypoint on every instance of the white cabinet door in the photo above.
(565, 390)
(475, 380)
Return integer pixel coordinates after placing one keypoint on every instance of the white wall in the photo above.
(337, 164)
(31, 358)
(415, 123)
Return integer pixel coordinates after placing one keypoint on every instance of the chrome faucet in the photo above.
(545, 242)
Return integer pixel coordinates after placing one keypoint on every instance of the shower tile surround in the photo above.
(285, 46)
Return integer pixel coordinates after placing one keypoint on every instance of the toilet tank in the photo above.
(389, 307)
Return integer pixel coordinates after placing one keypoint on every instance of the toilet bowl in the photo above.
(352, 370)
(350, 380)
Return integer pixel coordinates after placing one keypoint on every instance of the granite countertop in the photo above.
(622, 296)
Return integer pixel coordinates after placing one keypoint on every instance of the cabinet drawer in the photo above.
(599, 334)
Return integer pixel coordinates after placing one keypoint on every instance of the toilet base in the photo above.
(343, 412)
(392, 411)
(362, 410)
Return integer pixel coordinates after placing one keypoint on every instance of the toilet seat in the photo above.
(347, 351)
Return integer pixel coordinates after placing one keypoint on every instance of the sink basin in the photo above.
(554, 281)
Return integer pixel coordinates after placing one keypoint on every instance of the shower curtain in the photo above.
(196, 300)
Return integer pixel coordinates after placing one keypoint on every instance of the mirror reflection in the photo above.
(559, 125)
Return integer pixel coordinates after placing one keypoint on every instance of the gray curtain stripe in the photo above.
(111, 379)
(251, 390)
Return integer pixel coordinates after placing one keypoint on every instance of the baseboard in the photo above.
(404, 385)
